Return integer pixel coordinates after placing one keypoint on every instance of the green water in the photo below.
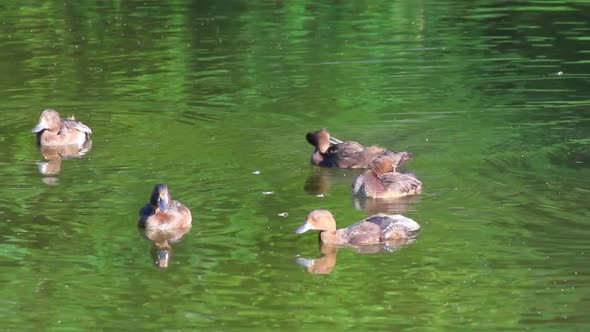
(491, 98)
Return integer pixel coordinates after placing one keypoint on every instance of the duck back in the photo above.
(402, 183)
(347, 155)
(388, 185)
(379, 228)
(354, 155)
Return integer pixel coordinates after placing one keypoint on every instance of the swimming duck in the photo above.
(162, 212)
(372, 230)
(331, 152)
(54, 131)
(383, 181)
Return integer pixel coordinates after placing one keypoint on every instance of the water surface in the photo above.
(215, 99)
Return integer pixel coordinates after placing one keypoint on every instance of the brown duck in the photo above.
(54, 131)
(162, 212)
(372, 230)
(383, 181)
(330, 152)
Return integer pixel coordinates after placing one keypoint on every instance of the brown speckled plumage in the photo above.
(348, 154)
(383, 181)
(54, 131)
(372, 230)
(162, 212)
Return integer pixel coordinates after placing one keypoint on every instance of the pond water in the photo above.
(215, 98)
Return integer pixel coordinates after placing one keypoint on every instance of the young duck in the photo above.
(383, 181)
(54, 131)
(162, 212)
(330, 152)
(372, 230)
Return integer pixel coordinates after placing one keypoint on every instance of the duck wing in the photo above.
(404, 183)
(361, 233)
(347, 154)
(398, 158)
(71, 124)
(391, 223)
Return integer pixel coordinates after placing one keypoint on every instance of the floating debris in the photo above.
(256, 172)
(559, 73)
(320, 195)
(283, 214)
(268, 192)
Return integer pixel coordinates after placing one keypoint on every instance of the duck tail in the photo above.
(399, 158)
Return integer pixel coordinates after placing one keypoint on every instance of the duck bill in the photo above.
(163, 257)
(304, 261)
(162, 204)
(303, 228)
(40, 126)
(334, 140)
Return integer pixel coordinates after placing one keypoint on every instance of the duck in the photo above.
(331, 152)
(383, 180)
(379, 228)
(52, 130)
(162, 212)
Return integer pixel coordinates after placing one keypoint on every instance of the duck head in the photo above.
(321, 220)
(160, 197)
(49, 120)
(382, 165)
(320, 139)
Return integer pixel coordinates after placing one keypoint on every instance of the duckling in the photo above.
(375, 229)
(330, 152)
(162, 212)
(53, 131)
(383, 181)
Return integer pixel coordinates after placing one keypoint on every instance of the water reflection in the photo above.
(325, 263)
(161, 250)
(384, 205)
(54, 155)
(463, 85)
(320, 181)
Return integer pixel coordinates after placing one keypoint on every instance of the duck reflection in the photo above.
(320, 181)
(387, 246)
(54, 155)
(325, 263)
(161, 250)
(384, 205)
